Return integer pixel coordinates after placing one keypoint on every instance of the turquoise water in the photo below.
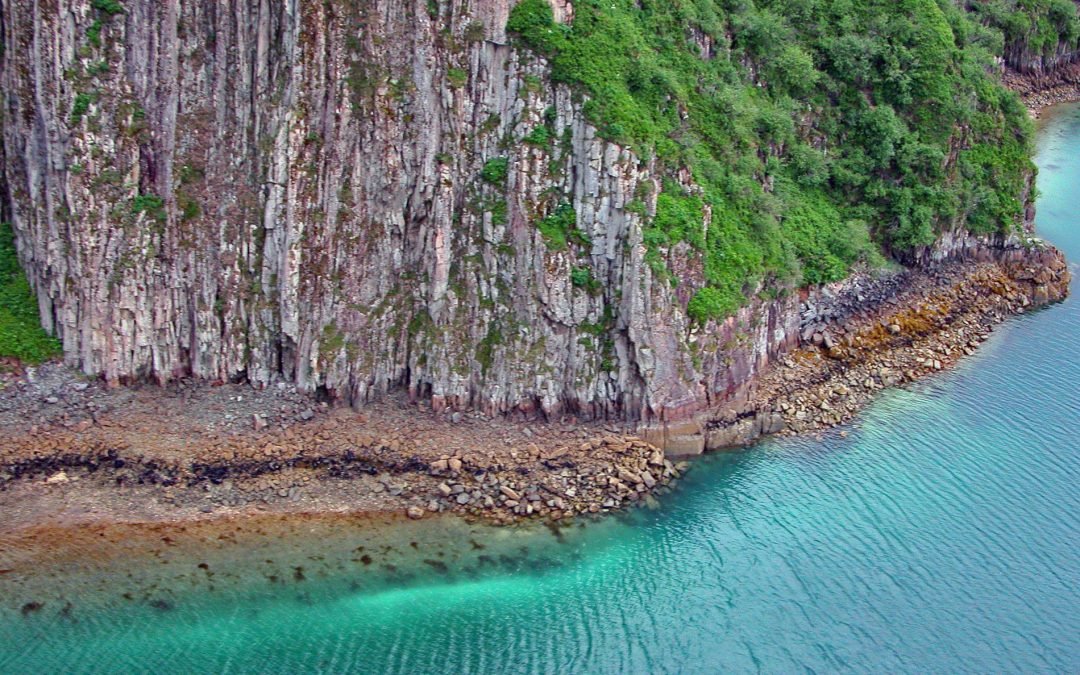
(941, 535)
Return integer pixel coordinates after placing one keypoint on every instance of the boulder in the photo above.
(684, 445)
(510, 493)
(774, 424)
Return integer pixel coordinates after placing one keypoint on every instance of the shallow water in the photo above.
(940, 536)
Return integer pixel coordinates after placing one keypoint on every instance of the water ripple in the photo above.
(940, 536)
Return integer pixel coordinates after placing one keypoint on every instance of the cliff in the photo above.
(1039, 39)
(255, 191)
(359, 196)
(1041, 48)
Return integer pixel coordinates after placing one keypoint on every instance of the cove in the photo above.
(941, 535)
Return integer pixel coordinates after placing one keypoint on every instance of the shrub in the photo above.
(80, 107)
(496, 170)
(582, 277)
(93, 33)
(679, 216)
(152, 205)
(188, 205)
(534, 22)
(560, 227)
(499, 213)
(474, 32)
(712, 303)
(109, 7)
(540, 136)
(485, 349)
(457, 77)
(868, 111)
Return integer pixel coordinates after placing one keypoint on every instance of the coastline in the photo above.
(198, 451)
(1042, 91)
(80, 453)
(924, 323)
(491, 337)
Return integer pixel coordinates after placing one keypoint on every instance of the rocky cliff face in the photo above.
(1039, 37)
(1022, 59)
(246, 189)
(1030, 70)
(254, 189)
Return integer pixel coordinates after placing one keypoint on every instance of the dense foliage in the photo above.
(20, 330)
(818, 132)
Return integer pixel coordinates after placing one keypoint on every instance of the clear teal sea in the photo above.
(942, 535)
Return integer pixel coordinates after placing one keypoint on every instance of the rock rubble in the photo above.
(913, 325)
(210, 456)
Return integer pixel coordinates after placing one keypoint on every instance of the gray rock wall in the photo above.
(266, 189)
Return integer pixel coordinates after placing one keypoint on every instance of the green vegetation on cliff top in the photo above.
(817, 132)
(20, 329)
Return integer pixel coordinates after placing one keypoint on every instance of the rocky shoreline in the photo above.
(1042, 90)
(77, 450)
(921, 322)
